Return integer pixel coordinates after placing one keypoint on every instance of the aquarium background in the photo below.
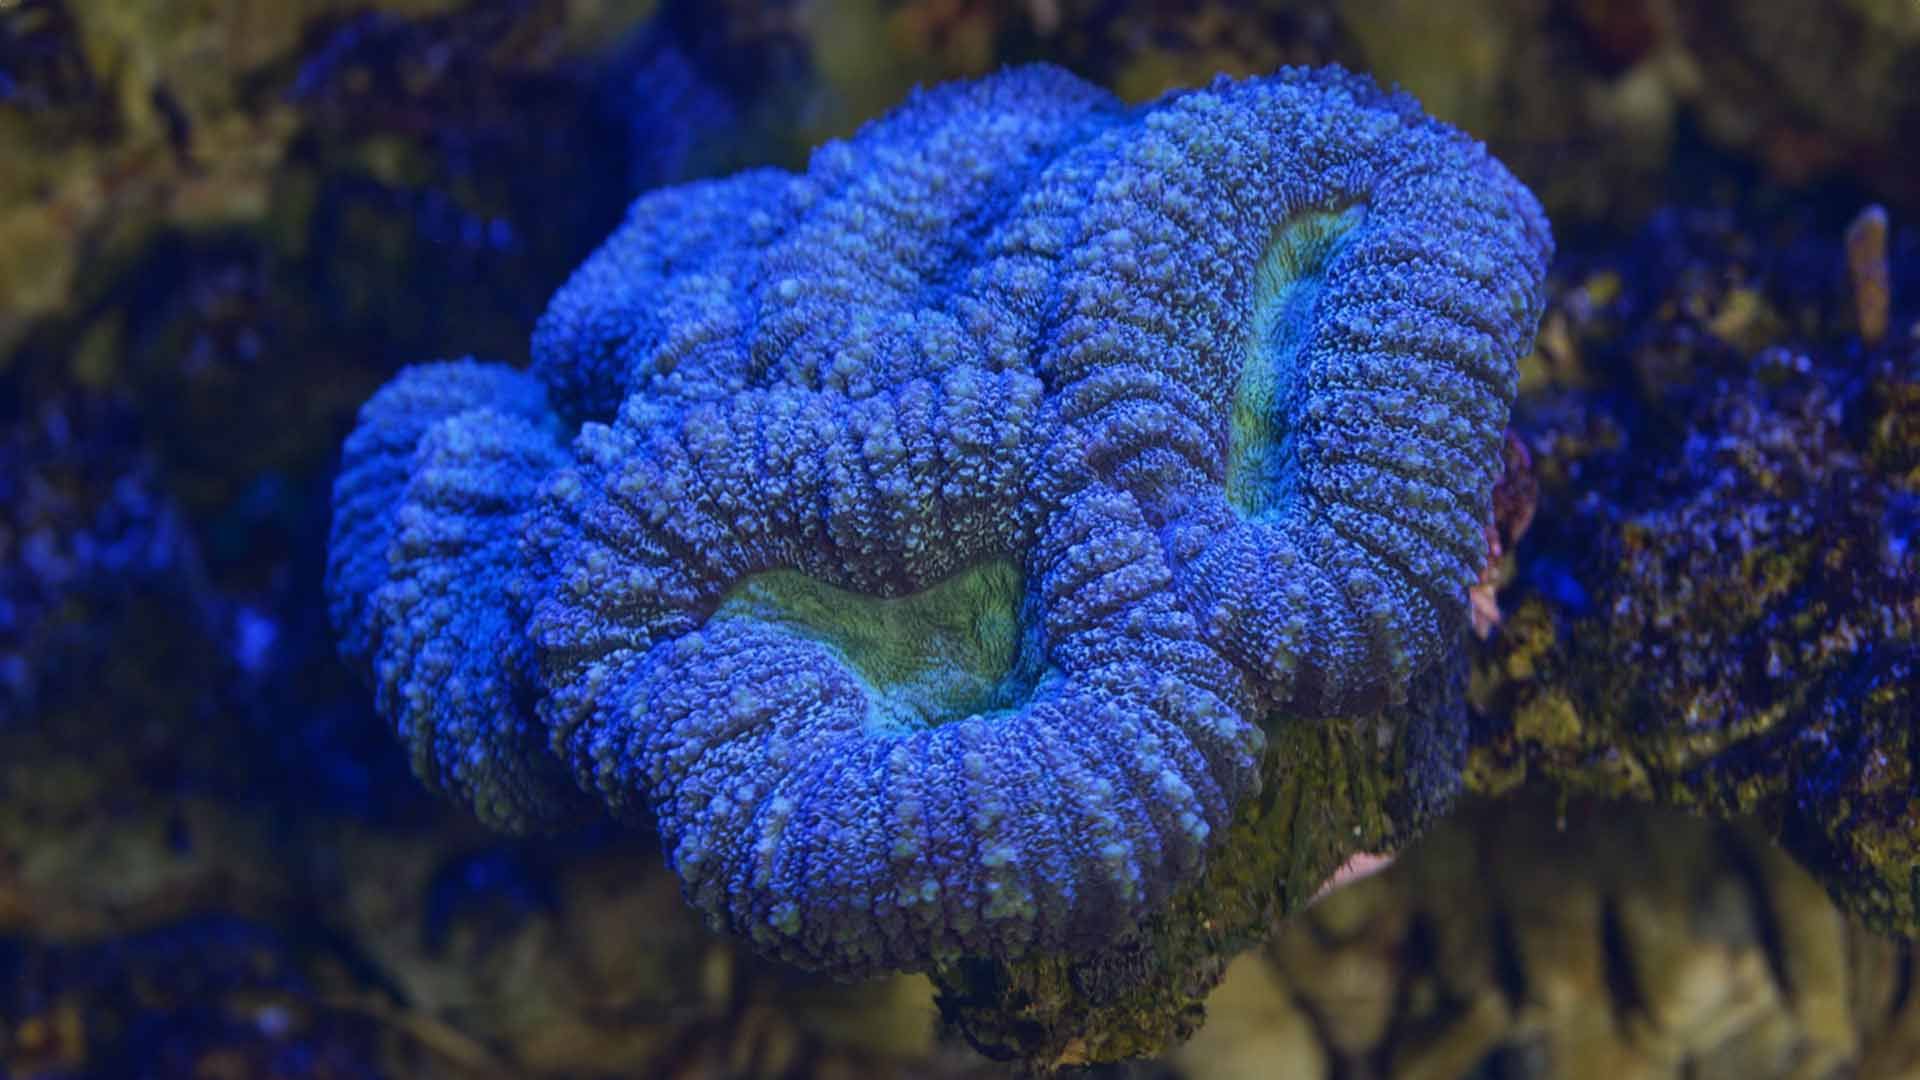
(223, 224)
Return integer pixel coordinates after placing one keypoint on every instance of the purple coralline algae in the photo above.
(928, 542)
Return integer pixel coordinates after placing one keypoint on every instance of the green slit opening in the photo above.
(962, 646)
(1287, 287)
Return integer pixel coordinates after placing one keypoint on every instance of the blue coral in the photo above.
(941, 529)
(420, 563)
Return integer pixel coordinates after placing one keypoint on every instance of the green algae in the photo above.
(1741, 633)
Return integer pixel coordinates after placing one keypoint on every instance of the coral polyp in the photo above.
(929, 542)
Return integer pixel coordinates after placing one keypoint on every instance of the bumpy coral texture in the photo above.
(940, 528)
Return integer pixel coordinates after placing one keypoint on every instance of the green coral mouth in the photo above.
(1286, 290)
(958, 648)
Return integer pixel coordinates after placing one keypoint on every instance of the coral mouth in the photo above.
(964, 646)
(1287, 287)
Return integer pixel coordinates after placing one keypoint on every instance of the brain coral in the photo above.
(926, 541)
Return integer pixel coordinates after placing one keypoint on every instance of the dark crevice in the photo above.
(1745, 863)
(1508, 971)
(1623, 983)
(1903, 978)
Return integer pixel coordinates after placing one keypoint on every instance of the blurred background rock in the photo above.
(223, 223)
